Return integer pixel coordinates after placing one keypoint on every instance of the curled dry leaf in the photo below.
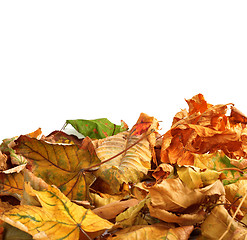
(157, 231)
(3, 160)
(194, 177)
(162, 171)
(133, 164)
(132, 216)
(62, 137)
(203, 165)
(111, 210)
(102, 199)
(16, 169)
(216, 225)
(235, 192)
(130, 166)
(139, 191)
(32, 182)
(173, 201)
(205, 129)
(218, 161)
(7, 148)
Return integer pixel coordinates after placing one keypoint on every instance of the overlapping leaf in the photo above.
(12, 184)
(157, 231)
(58, 218)
(195, 171)
(194, 177)
(97, 128)
(205, 128)
(235, 193)
(218, 161)
(134, 162)
(130, 166)
(61, 165)
(171, 199)
(216, 226)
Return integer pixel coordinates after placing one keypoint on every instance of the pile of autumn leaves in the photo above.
(130, 184)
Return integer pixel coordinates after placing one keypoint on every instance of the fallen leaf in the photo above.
(173, 201)
(7, 148)
(235, 192)
(139, 191)
(156, 231)
(205, 129)
(197, 104)
(111, 210)
(216, 224)
(3, 160)
(194, 177)
(16, 169)
(58, 218)
(102, 199)
(183, 114)
(218, 161)
(132, 216)
(162, 171)
(131, 166)
(62, 137)
(237, 116)
(12, 184)
(36, 134)
(173, 151)
(143, 124)
(147, 124)
(97, 128)
(61, 165)
(32, 182)
(13, 233)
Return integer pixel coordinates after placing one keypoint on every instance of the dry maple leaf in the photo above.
(61, 165)
(58, 218)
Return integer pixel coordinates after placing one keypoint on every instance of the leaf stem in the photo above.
(229, 169)
(85, 233)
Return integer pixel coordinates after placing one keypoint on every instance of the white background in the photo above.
(64, 60)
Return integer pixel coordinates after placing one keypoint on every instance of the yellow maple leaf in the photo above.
(58, 218)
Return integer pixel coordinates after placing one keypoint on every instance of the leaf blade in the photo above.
(61, 165)
(97, 128)
(58, 218)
